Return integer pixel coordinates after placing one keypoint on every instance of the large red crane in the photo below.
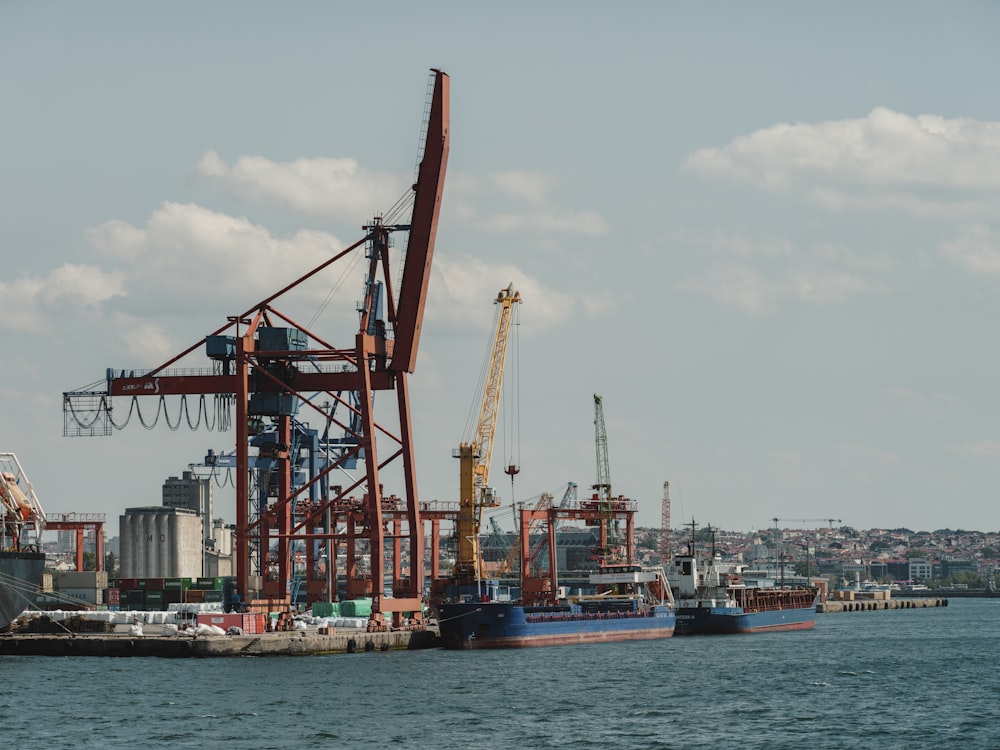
(269, 366)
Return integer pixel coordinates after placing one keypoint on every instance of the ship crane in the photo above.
(267, 367)
(476, 455)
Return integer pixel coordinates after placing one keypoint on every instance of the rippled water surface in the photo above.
(894, 679)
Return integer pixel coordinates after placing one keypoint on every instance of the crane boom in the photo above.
(409, 316)
(603, 485)
(829, 521)
(475, 457)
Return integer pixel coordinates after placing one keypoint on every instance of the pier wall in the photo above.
(183, 646)
(868, 605)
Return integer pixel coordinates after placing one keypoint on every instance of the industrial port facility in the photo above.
(272, 374)
(304, 538)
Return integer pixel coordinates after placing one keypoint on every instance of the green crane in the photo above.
(603, 485)
(608, 542)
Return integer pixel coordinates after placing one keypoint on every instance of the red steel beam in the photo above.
(423, 230)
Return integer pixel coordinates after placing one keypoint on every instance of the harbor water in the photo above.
(910, 679)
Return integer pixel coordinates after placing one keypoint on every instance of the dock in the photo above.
(294, 643)
(869, 605)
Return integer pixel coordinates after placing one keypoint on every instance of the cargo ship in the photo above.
(629, 601)
(22, 562)
(623, 612)
(714, 597)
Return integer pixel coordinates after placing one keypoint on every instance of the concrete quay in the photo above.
(294, 643)
(869, 605)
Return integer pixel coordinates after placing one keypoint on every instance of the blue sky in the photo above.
(767, 234)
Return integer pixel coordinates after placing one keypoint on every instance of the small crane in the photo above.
(602, 488)
(829, 521)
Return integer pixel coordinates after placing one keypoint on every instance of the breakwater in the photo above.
(869, 605)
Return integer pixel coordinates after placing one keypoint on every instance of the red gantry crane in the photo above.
(270, 367)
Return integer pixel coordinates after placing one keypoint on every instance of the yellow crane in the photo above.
(475, 456)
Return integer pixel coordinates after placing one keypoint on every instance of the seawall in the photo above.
(297, 643)
(868, 605)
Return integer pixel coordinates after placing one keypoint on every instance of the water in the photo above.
(892, 679)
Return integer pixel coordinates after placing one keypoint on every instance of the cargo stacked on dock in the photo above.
(157, 594)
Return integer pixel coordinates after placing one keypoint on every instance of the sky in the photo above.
(767, 234)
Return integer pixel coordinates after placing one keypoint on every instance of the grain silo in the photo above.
(158, 542)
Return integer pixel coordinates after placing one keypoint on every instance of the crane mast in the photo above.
(602, 488)
(665, 526)
(476, 456)
(603, 485)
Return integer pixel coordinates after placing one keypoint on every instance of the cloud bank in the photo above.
(326, 187)
(911, 164)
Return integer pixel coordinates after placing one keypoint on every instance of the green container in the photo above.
(326, 609)
(154, 600)
(356, 608)
(212, 595)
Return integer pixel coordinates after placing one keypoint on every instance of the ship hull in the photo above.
(727, 620)
(481, 625)
(20, 577)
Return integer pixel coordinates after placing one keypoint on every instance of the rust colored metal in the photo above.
(537, 588)
(420, 247)
(375, 361)
(79, 523)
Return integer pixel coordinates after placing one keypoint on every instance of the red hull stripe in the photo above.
(808, 625)
(569, 638)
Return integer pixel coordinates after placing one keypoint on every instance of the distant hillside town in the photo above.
(935, 559)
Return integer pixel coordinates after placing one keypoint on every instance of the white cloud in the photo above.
(189, 257)
(893, 159)
(465, 195)
(148, 343)
(30, 303)
(463, 287)
(320, 187)
(529, 186)
(758, 276)
(568, 222)
(977, 249)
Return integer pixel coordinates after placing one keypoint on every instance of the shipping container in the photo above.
(135, 599)
(82, 579)
(251, 624)
(90, 596)
(326, 609)
(356, 607)
(154, 600)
